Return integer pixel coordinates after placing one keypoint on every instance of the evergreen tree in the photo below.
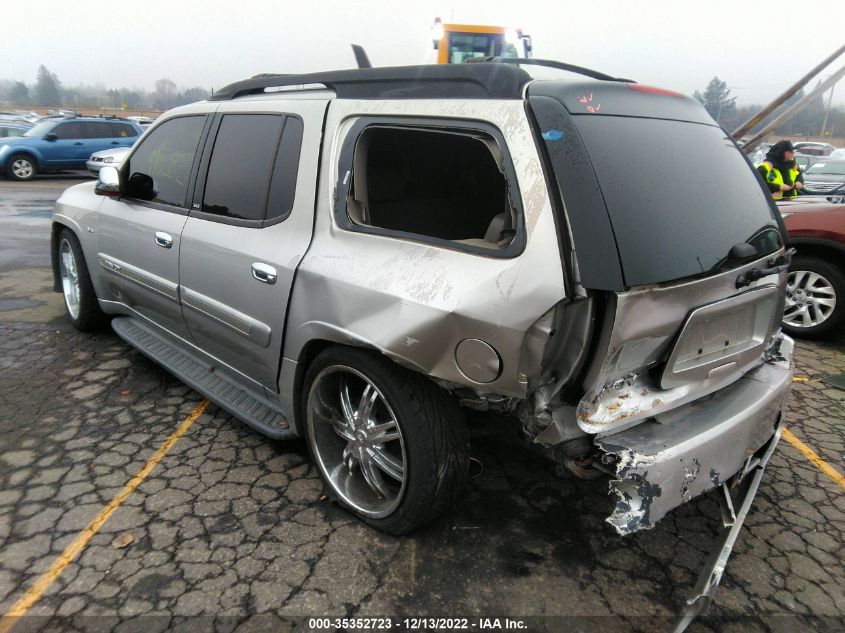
(47, 88)
(19, 95)
(717, 99)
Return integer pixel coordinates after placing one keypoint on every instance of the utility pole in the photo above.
(827, 110)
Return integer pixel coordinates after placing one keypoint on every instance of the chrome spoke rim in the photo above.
(357, 441)
(810, 299)
(70, 279)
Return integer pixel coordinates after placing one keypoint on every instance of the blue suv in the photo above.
(61, 143)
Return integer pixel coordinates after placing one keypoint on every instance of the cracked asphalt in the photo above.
(232, 531)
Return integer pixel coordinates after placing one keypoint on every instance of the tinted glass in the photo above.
(283, 186)
(240, 166)
(831, 168)
(166, 156)
(94, 129)
(68, 130)
(675, 213)
(122, 130)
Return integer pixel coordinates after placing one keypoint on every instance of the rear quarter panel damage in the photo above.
(416, 302)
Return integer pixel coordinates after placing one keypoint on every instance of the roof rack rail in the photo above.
(549, 63)
(443, 81)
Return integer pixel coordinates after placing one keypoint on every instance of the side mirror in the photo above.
(108, 182)
(51, 137)
(140, 186)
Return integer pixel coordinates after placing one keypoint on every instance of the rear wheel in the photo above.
(815, 294)
(390, 445)
(21, 167)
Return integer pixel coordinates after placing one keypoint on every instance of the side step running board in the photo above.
(241, 402)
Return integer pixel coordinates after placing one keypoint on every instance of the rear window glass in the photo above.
(831, 168)
(679, 195)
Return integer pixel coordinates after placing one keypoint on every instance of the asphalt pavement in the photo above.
(228, 530)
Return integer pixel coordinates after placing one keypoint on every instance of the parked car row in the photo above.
(60, 143)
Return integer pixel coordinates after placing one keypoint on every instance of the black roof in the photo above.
(442, 81)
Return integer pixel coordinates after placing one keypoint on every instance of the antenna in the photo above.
(361, 56)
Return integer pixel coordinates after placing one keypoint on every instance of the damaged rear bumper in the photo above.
(678, 455)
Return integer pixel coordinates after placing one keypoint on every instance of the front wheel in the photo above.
(21, 167)
(815, 293)
(390, 445)
(78, 291)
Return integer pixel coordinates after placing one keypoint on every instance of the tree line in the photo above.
(814, 120)
(48, 91)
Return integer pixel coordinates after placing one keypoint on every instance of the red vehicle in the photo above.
(815, 299)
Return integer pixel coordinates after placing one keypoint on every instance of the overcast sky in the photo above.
(759, 47)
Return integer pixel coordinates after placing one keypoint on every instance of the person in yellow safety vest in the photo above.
(780, 171)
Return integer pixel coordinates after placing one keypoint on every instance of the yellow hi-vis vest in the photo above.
(774, 177)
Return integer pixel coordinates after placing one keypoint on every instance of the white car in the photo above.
(113, 157)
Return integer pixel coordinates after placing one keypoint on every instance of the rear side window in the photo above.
(94, 129)
(432, 184)
(283, 186)
(122, 130)
(252, 169)
(159, 170)
(679, 195)
(240, 166)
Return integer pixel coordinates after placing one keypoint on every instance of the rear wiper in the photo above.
(776, 266)
(738, 255)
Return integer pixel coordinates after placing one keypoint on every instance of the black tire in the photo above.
(832, 277)
(88, 315)
(23, 173)
(433, 433)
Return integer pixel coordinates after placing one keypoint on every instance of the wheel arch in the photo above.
(29, 153)
(330, 337)
(55, 232)
(821, 249)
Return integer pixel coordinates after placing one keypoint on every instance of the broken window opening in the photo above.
(446, 185)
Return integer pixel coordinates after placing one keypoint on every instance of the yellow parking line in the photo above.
(46, 579)
(810, 454)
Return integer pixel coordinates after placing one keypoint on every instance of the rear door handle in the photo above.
(77, 143)
(165, 240)
(264, 273)
(115, 142)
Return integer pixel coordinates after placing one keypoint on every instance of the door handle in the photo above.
(77, 143)
(165, 240)
(264, 273)
(115, 142)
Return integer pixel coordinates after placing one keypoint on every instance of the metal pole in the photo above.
(750, 123)
(827, 110)
(830, 81)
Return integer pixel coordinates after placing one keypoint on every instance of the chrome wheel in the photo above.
(357, 441)
(70, 278)
(810, 299)
(22, 168)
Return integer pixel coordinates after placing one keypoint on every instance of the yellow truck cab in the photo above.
(456, 42)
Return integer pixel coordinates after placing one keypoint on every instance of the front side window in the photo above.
(432, 184)
(65, 131)
(159, 170)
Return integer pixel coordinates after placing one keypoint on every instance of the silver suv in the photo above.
(352, 257)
